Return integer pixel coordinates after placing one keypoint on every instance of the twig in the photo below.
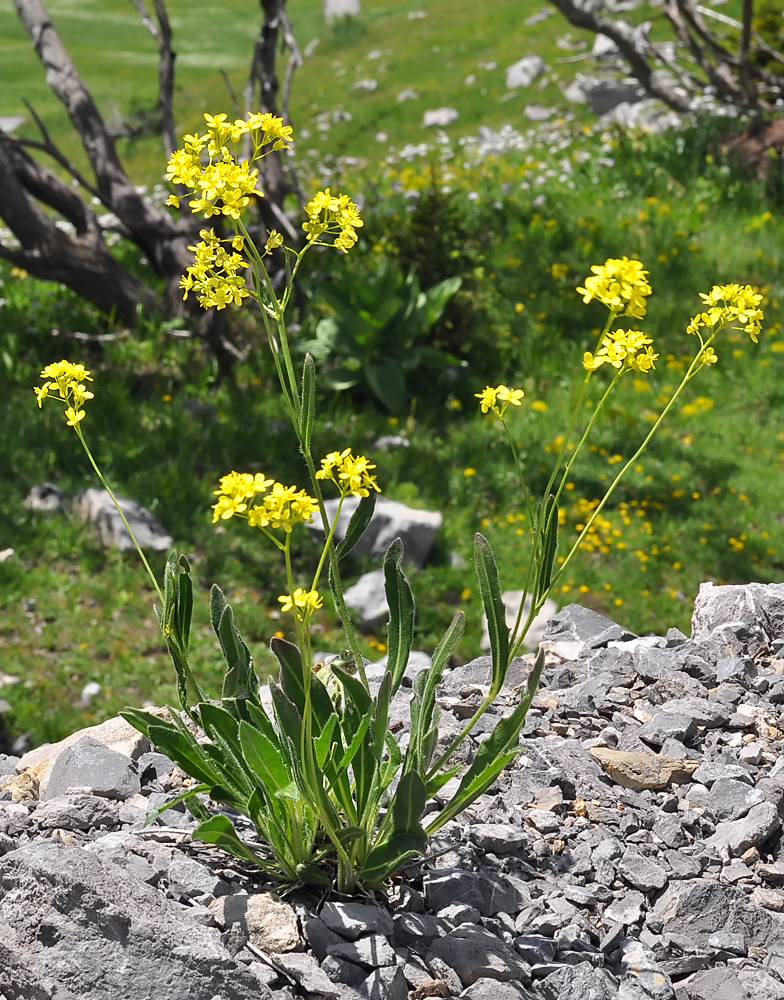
(232, 92)
(48, 146)
(162, 36)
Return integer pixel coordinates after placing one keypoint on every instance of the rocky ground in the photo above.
(633, 851)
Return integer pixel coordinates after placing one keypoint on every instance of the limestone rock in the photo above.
(524, 72)
(440, 117)
(641, 770)
(76, 928)
(391, 519)
(89, 764)
(340, 8)
(97, 507)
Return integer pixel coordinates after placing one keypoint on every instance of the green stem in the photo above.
(694, 367)
(108, 489)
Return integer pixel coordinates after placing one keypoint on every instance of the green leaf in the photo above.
(387, 858)
(240, 681)
(387, 383)
(408, 804)
(217, 606)
(549, 547)
(220, 831)
(156, 811)
(355, 690)
(308, 403)
(437, 297)
(184, 751)
(400, 628)
(292, 680)
(355, 744)
(184, 603)
(390, 767)
(325, 739)
(433, 674)
(357, 525)
(490, 591)
(439, 780)
(266, 760)
(348, 834)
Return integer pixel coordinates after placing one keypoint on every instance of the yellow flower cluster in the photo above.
(68, 381)
(214, 276)
(332, 216)
(350, 473)
(283, 507)
(730, 304)
(620, 284)
(224, 186)
(623, 349)
(302, 602)
(490, 397)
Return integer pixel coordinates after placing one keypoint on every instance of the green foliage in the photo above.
(322, 780)
(373, 339)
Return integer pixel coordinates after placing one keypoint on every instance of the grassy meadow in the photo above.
(521, 230)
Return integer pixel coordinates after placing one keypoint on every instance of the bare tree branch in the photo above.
(48, 146)
(295, 60)
(162, 36)
(232, 92)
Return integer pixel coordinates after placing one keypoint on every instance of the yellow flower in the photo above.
(67, 383)
(214, 275)
(623, 349)
(332, 215)
(274, 240)
(559, 270)
(730, 304)
(708, 356)
(489, 398)
(72, 417)
(350, 473)
(620, 284)
(227, 507)
(302, 602)
(173, 201)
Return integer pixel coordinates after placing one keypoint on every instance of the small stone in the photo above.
(752, 830)
(711, 771)
(731, 799)
(627, 910)
(543, 821)
(771, 899)
(535, 948)
(188, 877)
(639, 964)
(340, 971)
(524, 72)
(372, 951)
(305, 972)
(716, 984)
(750, 754)
(75, 812)
(385, 984)
(491, 989)
(669, 829)
(641, 872)
(499, 838)
(97, 507)
(640, 770)
(489, 892)
(351, 920)
(760, 985)
(457, 914)
(727, 941)
(663, 726)
(578, 982)
(440, 117)
(89, 764)
(772, 872)
(550, 799)
(271, 924)
(476, 953)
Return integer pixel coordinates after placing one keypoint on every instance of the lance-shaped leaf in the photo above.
(220, 831)
(387, 858)
(549, 547)
(498, 750)
(433, 674)
(240, 681)
(154, 813)
(293, 680)
(266, 760)
(495, 612)
(357, 524)
(400, 629)
(307, 403)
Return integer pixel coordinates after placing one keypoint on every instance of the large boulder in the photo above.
(391, 519)
(75, 928)
(524, 72)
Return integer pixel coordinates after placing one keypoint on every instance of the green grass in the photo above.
(433, 55)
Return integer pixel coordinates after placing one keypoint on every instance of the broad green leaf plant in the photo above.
(333, 798)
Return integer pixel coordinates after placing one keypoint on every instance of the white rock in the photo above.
(538, 17)
(440, 117)
(96, 506)
(339, 8)
(407, 95)
(5, 555)
(91, 690)
(511, 599)
(368, 599)
(538, 113)
(9, 123)
(45, 496)
(524, 72)
(365, 85)
(391, 519)
(603, 46)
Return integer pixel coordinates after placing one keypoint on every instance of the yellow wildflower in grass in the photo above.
(302, 602)
(214, 275)
(730, 304)
(490, 397)
(283, 507)
(332, 215)
(626, 350)
(66, 381)
(620, 284)
(350, 473)
(274, 240)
